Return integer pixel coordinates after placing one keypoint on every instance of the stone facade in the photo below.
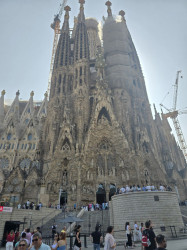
(96, 132)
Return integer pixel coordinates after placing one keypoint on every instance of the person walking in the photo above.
(110, 242)
(129, 235)
(37, 243)
(161, 242)
(96, 238)
(22, 245)
(62, 243)
(10, 240)
(149, 236)
(77, 242)
(55, 243)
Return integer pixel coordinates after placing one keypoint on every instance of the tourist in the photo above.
(144, 188)
(22, 245)
(10, 240)
(63, 230)
(128, 233)
(62, 243)
(138, 188)
(19, 206)
(148, 188)
(148, 232)
(27, 204)
(37, 243)
(161, 242)
(110, 242)
(152, 187)
(122, 190)
(53, 230)
(28, 235)
(161, 187)
(55, 243)
(136, 232)
(24, 237)
(77, 242)
(127, 188)
(141, 228)
(96, 238)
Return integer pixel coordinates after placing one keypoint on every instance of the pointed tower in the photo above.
(2, 110)
(62, 60)
(28, 110)
(13, 112)
(82, 75)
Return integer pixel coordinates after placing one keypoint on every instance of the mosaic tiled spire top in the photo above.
(109, 10)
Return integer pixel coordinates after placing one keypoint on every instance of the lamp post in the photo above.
(60, 192)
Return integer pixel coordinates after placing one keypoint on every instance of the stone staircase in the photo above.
(184, 214)
(32, 218)
(90, 219)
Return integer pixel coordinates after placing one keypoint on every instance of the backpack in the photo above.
(145, 239)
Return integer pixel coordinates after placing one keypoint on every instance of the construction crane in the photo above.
(173, 114)
(56, 27)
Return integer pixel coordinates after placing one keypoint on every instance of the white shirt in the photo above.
(148, 188)
(122, 190)
(127, 188)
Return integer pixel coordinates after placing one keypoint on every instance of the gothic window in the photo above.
(26, 121)
(33, 146)
(25, 146)
(80, 81)
(104, 114)
(66, 145)
(29, 137)
(1, 145)
(22, 146)
(9, 145)
(80, 71)
(4, 163)
(13, 146)
(25, 164)
(18, 146)
(30, 146)
(9, 136)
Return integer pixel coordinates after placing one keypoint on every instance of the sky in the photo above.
(158, 29)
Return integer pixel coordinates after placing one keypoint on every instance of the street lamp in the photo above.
(60, 192)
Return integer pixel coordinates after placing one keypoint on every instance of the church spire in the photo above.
(81, 49)
(81, 17)
(65, 27)
(62, 57)
(13, 112)
(2, 111)
(109, 10)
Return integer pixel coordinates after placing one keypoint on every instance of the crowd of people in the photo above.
(33, 241)
(30, 205)
(138, 188)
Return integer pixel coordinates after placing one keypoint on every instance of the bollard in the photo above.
(71, 241)
(85, 241)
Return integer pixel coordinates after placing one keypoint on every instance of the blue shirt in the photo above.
(42, 247)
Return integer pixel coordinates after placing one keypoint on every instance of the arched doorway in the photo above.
(112, 191)
(101, 194)
(63, 198)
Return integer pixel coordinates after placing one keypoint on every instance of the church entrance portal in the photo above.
(101, 194)
(63, 198)
(112, 191)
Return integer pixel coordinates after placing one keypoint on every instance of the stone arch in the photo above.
(101, 194)
(104, 114)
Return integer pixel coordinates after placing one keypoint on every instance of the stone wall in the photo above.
(160, 207)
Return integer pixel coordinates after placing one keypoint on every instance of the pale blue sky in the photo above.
(158, 29)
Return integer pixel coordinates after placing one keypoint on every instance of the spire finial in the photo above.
(109, 4)
(32, 93)
(67, 10)
(3, 92)
(122, 14)
(46, 94)
(17, 93)
(82, 2)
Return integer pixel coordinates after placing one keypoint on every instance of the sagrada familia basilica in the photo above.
(95, 131)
